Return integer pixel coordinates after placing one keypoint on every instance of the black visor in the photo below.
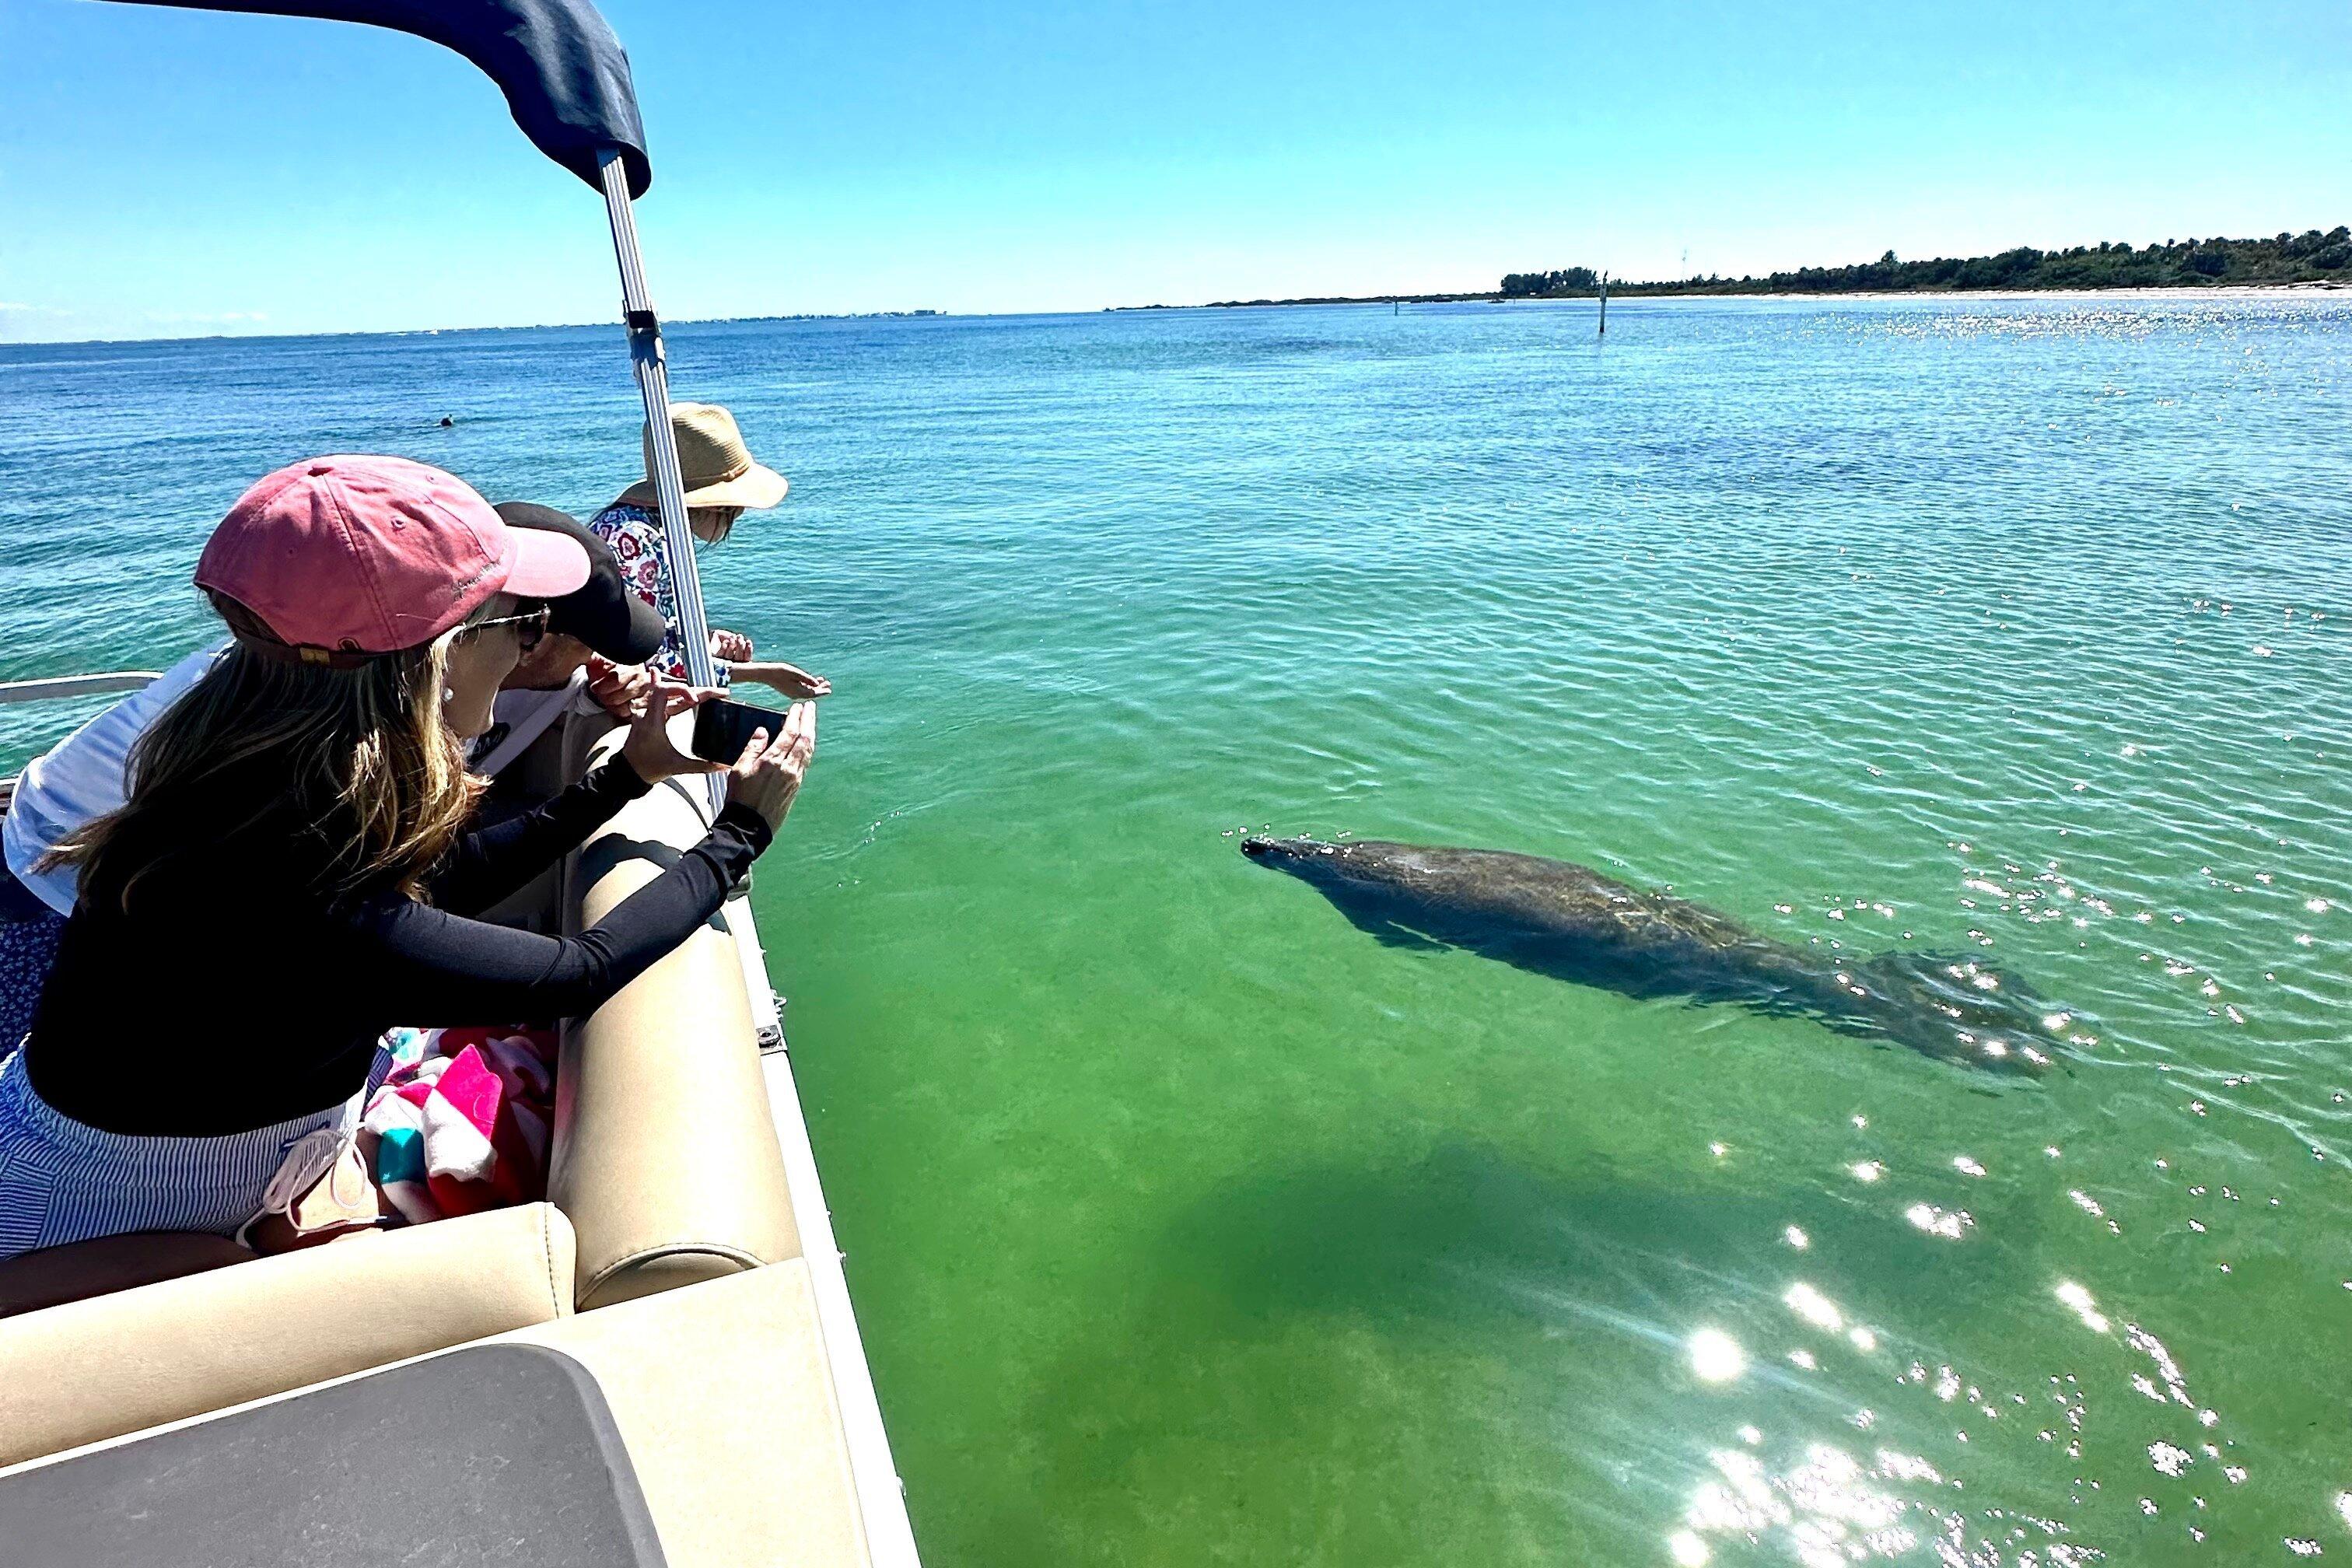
(601, 611)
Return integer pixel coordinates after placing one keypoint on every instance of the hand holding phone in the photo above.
(649, 749)
(723, 727)
(770, 767)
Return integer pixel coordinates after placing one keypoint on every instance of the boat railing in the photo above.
(52, 686)
(56, 686)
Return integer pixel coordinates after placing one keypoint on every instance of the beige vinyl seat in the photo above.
(666, 1172)
(665, 1152)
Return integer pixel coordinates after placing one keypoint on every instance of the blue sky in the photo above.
(164, 172)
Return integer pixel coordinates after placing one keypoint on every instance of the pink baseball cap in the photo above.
(346, 556)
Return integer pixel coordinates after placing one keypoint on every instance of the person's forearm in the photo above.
(493, 862)
(444, 970)
(785, 680)
(652, 922)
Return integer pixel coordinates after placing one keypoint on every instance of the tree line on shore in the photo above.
(2308, 258)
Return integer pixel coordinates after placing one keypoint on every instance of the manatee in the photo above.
(1572, 922)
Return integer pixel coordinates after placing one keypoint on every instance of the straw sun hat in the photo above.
(718, 467)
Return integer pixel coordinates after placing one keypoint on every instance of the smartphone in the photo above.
(722, 729)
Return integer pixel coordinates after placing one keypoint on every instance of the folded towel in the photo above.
(465, 1120)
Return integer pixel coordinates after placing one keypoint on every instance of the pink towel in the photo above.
(463, 1122)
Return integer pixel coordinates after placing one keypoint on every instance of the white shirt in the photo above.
(82, 777)
(518, 718)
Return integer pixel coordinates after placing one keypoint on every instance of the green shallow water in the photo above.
(1187, 1223)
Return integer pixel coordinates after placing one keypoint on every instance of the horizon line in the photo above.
(1303, 302)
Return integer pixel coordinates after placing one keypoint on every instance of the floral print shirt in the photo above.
(635, 533)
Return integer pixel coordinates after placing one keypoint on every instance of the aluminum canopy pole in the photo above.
(653, 383)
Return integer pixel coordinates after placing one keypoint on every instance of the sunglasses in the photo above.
(530, 627)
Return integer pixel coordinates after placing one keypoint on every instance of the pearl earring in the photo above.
(448, 694)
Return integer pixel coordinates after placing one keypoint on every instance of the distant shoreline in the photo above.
(1496, 298)
(2312, 259)
(2136, 290)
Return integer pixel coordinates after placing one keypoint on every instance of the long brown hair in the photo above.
(357, 760)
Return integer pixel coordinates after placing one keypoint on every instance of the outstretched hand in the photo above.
(649, 749)
(618, 688)
(788, 680)
(767, 776)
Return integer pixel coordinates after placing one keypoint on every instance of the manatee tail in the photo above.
(1955, 1007)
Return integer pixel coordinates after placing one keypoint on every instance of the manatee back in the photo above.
(1540, 896)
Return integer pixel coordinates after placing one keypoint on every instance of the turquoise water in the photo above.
(1188, 1224)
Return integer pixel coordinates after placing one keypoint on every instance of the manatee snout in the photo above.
(1285, 852)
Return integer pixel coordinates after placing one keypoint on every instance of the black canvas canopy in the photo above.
(565, 76)
(567, 80)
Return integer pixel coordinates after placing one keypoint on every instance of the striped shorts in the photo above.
(63, 1181)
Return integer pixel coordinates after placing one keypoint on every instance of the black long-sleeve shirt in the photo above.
(231, 995)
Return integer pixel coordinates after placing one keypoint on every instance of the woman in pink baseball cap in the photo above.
(292, 871)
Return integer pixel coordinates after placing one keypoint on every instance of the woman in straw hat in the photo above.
(723, 481)
(294, 868)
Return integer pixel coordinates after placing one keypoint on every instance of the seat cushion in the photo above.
(498, 1454)
(55, 1275)
(112, 1364)
(665, 1152)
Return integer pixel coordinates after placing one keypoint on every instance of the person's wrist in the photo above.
(653, 753)
(751, 821)
(631, 778)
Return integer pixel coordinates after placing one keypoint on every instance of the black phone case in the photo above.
(722, 729)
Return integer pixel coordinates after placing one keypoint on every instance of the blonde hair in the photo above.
(358, 759)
